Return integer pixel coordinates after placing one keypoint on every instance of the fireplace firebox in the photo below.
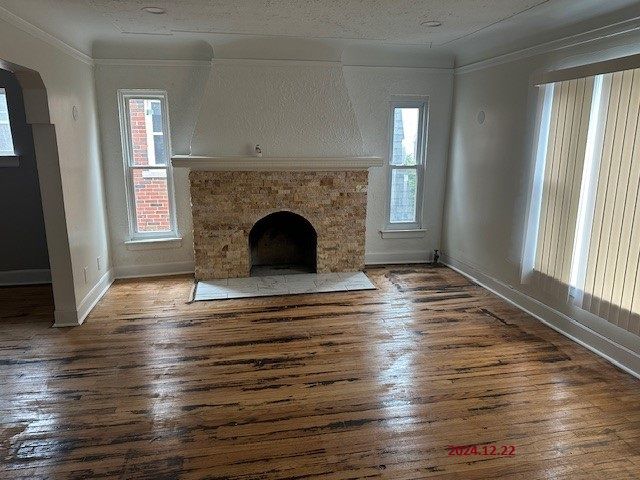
(283, 242)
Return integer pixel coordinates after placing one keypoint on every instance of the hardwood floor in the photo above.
(373, 384)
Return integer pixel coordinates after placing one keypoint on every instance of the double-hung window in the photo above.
(587, 243)
(144, 124)
(6, 139)
(406, 164)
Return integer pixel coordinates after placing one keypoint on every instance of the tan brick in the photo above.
(226, 205)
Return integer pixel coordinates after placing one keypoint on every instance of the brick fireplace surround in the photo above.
(227, 204)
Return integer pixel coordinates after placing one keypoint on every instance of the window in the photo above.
(588, 239)
(406, 164)
(146, 148)
(6, 140)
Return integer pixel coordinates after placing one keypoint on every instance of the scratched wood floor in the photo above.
(369, 384)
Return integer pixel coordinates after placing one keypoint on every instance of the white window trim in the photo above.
(124, 95)
(541, 139)
(421, 160)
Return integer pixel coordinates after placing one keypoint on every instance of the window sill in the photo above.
(153, 243)
(413, 233)
(9, 161)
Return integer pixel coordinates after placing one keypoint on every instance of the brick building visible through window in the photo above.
(152, 211)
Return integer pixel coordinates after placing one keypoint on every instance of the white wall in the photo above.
(290, 108)
(185, 87)
(69, 81)
(489, 180)
(371, 90)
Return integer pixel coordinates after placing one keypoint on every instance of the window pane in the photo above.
(156, 116)
(152, 200)
(138, 125)
(404, 187)
(6, 141)
(158, 142)
(405, 136)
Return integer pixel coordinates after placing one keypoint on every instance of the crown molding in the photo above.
(594, 35)
(448, 70)
(128, 62)
(275, 62)
(40, 34)
(319, 63)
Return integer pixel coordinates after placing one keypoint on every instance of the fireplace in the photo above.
(253, 214)
(283, 242)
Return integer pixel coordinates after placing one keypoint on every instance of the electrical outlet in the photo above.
(86, 274)
(99, 262)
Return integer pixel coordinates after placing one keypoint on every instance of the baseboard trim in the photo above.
(73, 318)
(95, 294)
(154, 270)
(614, 353)
(25, 277)
(65, 318)
(391, 258)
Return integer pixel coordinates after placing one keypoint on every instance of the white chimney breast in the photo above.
(289, 108)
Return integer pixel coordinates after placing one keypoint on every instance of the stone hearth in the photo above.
(227, 204)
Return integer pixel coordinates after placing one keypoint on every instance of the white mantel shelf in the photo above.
(239, 163)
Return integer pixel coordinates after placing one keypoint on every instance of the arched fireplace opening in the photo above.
(283, 242)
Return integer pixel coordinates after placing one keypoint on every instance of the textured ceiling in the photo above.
(395, 21)
(469, 23)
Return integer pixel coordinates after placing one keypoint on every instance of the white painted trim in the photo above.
(446, 70)
(95, 294)
(617, 354)
(154, 270)
(390, 258)
(423, 105)
(124, 95)
(589, 36)
(128, 62)
(25, 277)
(73, 318)
(40, 34)
(275, 62)
(412, 233)
(65, 318)
(153, 243)
(243, 163)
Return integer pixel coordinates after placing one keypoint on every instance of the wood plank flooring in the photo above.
(373, 384)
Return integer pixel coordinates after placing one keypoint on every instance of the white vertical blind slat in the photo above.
(611, 285)
(562, 179)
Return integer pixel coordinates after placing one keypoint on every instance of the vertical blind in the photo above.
(611, 288)
(564, 164)
(588, 238)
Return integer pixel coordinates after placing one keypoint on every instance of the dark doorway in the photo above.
(282, 242)
(24, 257)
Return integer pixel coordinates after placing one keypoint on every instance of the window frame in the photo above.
(124, 95)
(421, 160)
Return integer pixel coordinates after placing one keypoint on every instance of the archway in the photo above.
(36, 110)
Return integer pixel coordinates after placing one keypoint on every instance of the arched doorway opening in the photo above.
(45, 149)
